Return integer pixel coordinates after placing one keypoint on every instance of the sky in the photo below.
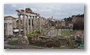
(47, 10)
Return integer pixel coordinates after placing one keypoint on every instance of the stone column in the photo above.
(31, 24)
(19, 25)
(24, 30)
(24, 25)
(27, 25)
(20, 35)
(34, 23)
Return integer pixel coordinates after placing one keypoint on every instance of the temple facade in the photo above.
(31, 22)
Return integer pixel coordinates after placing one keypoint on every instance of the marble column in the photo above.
(20, 35)
(31, 24)
(28, 25)
(24, 25)
(35, 20)
(24, 30)
(19, 25)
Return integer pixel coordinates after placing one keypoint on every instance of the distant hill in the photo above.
(77, 20)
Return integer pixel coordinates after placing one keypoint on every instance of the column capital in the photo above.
(31, 16)
(35, 16)
(19, 14)
(27, 16)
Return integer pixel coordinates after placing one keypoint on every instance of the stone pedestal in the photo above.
(19, 39)
(22, 40)
(26, 40)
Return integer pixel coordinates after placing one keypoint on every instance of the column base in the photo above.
(19, 39)
(23, 40)
(26, 41)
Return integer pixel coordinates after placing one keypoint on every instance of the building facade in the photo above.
(8, 26)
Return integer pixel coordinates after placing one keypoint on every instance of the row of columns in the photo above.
(26, 28)
(26, 24)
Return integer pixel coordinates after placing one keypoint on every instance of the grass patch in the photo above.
(66, 32)
(13, 42)
(30, 35)
(33, 34)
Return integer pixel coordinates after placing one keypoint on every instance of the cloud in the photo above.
(14, 5)
(58, 11)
